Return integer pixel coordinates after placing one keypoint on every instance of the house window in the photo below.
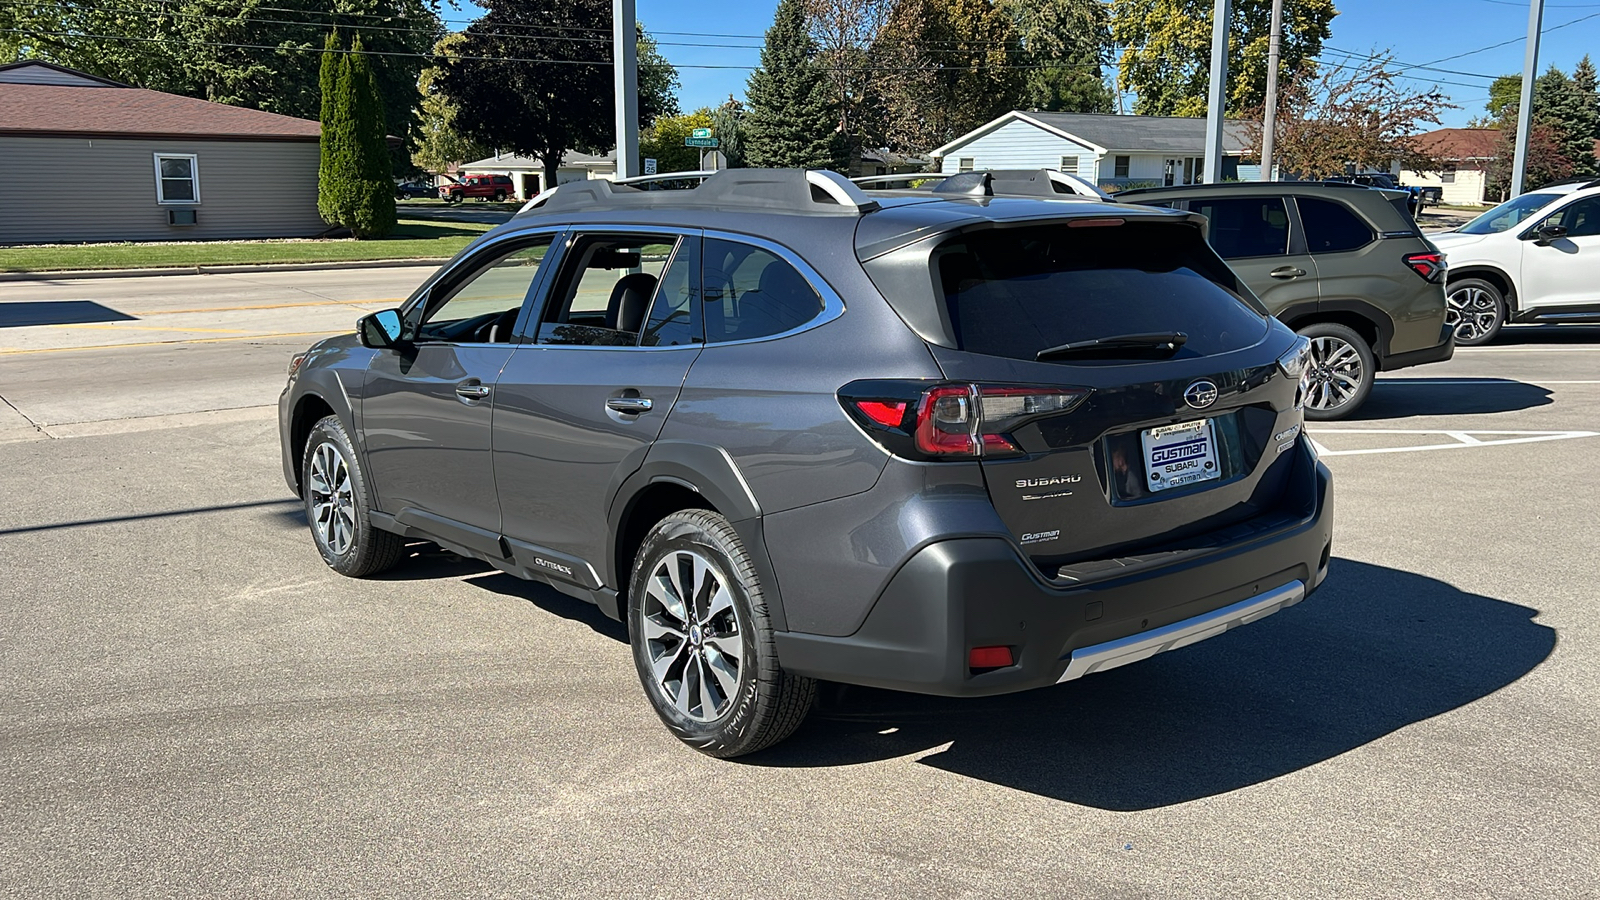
(1120, 167)
(177, 178)
(1448, 176)
(1069, 165)
(964, 164)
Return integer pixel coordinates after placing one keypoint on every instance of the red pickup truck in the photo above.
(481, 187)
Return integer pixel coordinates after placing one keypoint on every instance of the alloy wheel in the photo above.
(1334, 373)
(1471, 312)
(693, 635)
(333, 501)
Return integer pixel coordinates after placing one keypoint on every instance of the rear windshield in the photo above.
(1015, 291)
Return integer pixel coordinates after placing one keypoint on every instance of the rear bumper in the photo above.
(1440, 353)
(958, 594)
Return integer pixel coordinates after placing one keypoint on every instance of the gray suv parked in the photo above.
(1344, 265)
(787, 429)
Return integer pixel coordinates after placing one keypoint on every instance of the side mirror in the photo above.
(379, 330)
(1545, 235)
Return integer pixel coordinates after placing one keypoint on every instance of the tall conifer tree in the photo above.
(793, 117)
(328, 201)
(371, 213)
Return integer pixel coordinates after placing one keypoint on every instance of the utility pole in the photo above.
(1530, 68)
(625, 61)
(1219, 91)
(1269, 128)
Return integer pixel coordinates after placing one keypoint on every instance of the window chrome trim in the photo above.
(832, 304)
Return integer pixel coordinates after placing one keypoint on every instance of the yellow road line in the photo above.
(246, 337)
(212, 309)
(121, 327)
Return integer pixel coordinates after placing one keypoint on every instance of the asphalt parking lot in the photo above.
(192, 704)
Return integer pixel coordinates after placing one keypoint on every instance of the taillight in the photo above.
(1430, 265)
(947, 421)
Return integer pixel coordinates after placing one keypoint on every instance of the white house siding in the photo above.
(102, 189)
(1018, 145)
(1466, 190)
(1142, 168)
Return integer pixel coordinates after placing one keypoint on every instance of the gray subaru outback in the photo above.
(959, 441)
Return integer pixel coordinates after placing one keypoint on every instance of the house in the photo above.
(1113, 151)
(1464, 155)
(527, 172)
(90, 159)
(882, 161)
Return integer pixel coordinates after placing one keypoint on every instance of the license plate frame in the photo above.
(1180, 454)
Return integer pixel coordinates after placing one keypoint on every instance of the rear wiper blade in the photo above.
(1157, 345)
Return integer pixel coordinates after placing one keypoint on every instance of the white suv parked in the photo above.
(1533, 258)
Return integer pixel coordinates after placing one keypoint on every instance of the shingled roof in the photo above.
(1458, 144)
(94, 107)
(1150, 134)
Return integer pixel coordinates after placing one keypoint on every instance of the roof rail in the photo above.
(1047, 183)
(701, 174)
(782, 190)
(902, 177)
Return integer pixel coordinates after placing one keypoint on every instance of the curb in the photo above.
(238, 269)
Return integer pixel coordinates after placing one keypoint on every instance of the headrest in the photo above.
(629, 302)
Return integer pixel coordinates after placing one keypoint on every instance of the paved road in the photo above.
(191, 704)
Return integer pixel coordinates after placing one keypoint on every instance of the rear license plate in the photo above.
(1176, 455)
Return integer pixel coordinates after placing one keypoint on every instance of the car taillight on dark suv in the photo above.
(1430, 265)
(945, 421)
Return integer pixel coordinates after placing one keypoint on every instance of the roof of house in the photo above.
(1105, 134)
(1458, 144)
(82, 105)
(511, 162)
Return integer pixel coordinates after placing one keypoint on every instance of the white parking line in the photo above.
(1475, 382)
(1459, 439)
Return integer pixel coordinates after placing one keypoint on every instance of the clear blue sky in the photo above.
(1416, 31)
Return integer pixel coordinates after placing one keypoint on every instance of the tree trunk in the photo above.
(552, 165)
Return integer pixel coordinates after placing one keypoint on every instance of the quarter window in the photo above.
(483, 307)
(1330, 228)
(751, 293)
(177, 178)
(1246, 226)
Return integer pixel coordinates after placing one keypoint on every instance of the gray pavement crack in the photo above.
(25, 417)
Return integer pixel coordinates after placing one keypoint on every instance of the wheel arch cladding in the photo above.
(1361, 323)
(310, 409)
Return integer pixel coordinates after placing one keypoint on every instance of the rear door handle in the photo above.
(630, 405)
(1287, 272)
(472, 390)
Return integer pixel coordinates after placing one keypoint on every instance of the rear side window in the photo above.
(1015, 291)
(1242, 227)
(1330, 228)
(752, 293)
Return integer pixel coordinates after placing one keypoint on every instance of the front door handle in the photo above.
(472, 390)
(630, 405)
(1287, 272)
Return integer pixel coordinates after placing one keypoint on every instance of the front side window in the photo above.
(483, 306)
(1509, 214)
(1246, 226)
(752, 293)
(1330, 228)
(1581, 219)
(177, 178)
(607, 291)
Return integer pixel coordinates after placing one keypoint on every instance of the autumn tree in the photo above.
(1358, 114)
(794, 117)
(1064, 43)
(844, 32)
(521, 82)
(1545, 162)
(439, 142)
(1167, 62)
(663, 141)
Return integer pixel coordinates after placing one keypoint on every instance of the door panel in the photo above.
(1565, 271)
(1255, 235)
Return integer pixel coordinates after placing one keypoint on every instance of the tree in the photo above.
(1558, 103)
(1505, 93)
(1064, 43)
(1545, 162)
(657, 80)
(330, 204)
(845, 32)
(371, 187)
(1168, 57)
(1584, 82)
(663, 142)
(1357, 114)
(521, 82)
(727, 124)
(439, 143)
(793, 118)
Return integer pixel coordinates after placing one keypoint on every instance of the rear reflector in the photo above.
(989, 657)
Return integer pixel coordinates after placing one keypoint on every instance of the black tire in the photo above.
(499, 196)
(1339, 357)
(767, 704)
(353, 546)
(1475, 310)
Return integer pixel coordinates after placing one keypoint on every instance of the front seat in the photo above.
(630, 300)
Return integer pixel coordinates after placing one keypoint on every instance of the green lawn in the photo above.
(413, 239)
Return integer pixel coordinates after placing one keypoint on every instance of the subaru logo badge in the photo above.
(1200, 395)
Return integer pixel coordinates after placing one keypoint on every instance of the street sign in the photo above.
(700, 141)
(649, 167)
(700, 133)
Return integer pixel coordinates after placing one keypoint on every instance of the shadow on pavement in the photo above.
(57, 312)
(1399, 398)
(1512, 335)
(1376, 650)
